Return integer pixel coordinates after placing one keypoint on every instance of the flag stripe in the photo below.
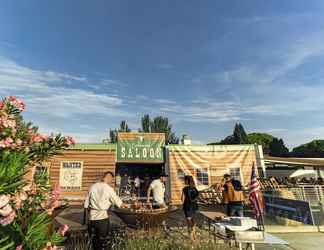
(255, 195)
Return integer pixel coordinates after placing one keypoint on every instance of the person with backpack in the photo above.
(233, 196)
(189, 199)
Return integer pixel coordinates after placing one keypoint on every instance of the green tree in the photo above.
(261, 139)
(159, 124)
(146, 124)
(112, 135)
(277, 148)
(238, 137)
(314, 148)
(123, 127)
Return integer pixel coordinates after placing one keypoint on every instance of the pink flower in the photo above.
(63, 229)
(19, 247)
(1, 104)
(49, 246)
(69, 140)
(8, 141)
(17, 202)
(4, 200)
(27, 188)
(19, 142)
(37, 138)
(6, 210)
(23, 196)
(11, 98)
(8, 219)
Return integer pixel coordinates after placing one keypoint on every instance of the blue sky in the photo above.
(82, 66)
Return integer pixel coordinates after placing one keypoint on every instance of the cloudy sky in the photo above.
(82, 66)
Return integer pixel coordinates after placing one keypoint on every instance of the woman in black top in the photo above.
(189, 198)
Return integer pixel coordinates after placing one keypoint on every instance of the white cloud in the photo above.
(42, 94)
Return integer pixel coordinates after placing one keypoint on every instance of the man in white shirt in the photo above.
(100, 198)
(137, 185)
(158, 188)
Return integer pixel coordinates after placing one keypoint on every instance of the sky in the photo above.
(83, 66)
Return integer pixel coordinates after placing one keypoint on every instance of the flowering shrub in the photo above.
(26, 207)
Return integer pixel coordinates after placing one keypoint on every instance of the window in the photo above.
(202, 176)
(180, 174)
(236, 173)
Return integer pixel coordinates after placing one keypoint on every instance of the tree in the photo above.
(26, 207)
(159, 124)
(238, 137)
(261, 139)
(123, 127)
(277, 148)
(146, 124)
(314, 148)
(112, 135)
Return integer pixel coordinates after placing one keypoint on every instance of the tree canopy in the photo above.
(277, 148)
(314, 148)
(238, 137)
(123, 127)
(159, 124)
(263, 139)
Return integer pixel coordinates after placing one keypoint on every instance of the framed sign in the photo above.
(140, 147)
(71, 175)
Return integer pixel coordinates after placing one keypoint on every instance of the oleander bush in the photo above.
(26, 207)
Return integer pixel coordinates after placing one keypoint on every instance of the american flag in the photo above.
(255, 194)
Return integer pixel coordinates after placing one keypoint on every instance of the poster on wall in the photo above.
(71, 175)
(140, 147)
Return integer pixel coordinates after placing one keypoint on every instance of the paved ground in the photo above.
(297, 241)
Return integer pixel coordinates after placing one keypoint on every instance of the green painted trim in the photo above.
(93, 146)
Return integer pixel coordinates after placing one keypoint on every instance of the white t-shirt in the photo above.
(158, 189)
(137, 182)
(99, 199)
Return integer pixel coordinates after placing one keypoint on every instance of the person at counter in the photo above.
(158, 188)
(233, 196)
(100, 198)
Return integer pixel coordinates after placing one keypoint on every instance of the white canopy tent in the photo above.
(303, 173)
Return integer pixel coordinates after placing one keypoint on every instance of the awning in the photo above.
(303, 173)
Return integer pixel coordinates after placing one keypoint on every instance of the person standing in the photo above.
(158, 188)
(233, 196)
(189, 199)
(124, 184)
(100, 198)
(137, 185)
(118, 182)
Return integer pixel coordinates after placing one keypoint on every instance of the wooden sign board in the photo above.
(140, 147)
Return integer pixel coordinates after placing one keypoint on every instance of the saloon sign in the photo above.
(140, 147)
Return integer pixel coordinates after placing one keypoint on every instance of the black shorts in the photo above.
(189, 212)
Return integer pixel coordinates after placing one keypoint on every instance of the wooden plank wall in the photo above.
(95, 163)
(217, 163)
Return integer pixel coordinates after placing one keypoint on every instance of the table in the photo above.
(268, 238)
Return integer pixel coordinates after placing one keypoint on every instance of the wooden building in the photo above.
(139, 154)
